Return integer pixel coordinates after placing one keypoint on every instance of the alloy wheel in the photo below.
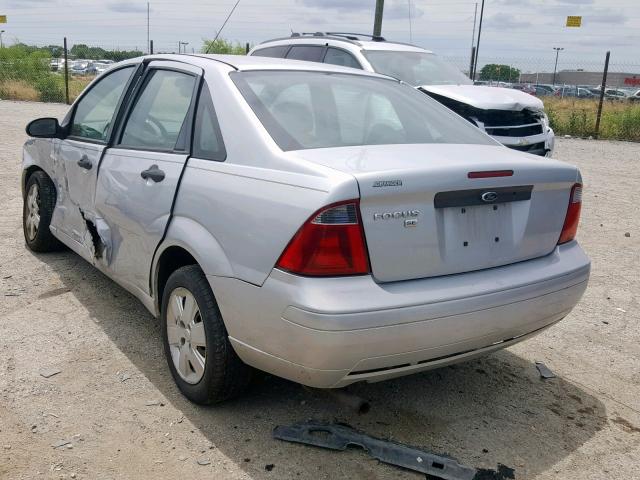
(186, 335)
(33, 212)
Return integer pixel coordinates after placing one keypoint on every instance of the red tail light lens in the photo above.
(572, 219)
(330, 243)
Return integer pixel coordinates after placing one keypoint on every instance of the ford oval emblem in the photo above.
(489, 197)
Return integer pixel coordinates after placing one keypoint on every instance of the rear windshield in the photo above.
(303, 110)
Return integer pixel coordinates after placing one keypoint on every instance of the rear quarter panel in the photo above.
(255, 201)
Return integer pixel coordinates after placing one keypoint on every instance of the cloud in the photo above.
(605, 16)
(17, 4)
(515, 3)
(506, 20)
(342, 5)
(127, 7)
(393, 10)
(400, 10)
(576, 2)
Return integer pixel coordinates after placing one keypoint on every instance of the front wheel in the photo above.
(201, 359)
(37, 211)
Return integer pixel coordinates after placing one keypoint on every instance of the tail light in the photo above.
(330, 243)
(570, 226)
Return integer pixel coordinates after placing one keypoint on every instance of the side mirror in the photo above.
(44, 128)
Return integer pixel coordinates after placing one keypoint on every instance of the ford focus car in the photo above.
(514, 118)
(320, 223)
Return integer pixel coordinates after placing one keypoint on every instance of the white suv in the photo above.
(516, 119)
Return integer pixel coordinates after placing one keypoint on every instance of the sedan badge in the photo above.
(489, 197)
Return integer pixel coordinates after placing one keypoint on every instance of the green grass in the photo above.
(577, 117)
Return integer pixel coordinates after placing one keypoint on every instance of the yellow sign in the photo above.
(3, 19)
(574, 21)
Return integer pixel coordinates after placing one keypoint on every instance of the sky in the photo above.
(520, 32)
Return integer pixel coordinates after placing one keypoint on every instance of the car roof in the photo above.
(249, 63)
(362, 44)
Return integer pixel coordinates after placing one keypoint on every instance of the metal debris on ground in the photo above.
(340, 437)
(544, 370)
(49, 372)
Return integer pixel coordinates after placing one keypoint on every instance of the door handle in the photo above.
(154, 173)
(85, 163)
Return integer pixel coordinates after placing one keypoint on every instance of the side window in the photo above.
(207, 139)
(94, 112)
(308, 53)
(335, 56)
(160, 111)
(276, 52)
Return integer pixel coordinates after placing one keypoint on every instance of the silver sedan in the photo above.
(323, 224)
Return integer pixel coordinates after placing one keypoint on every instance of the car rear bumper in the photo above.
(336, 331)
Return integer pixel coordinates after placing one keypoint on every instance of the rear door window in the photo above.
(310, 53)
(336, 56)
(159, 115)
(275, 52)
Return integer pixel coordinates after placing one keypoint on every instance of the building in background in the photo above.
(581, 77)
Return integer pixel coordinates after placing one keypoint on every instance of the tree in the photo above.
(223, 46)
(500, 73)
(80, 50)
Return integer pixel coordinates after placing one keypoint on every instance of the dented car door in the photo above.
(139, 175)
(79, 155)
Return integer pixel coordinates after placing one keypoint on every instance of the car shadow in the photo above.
(485, 412)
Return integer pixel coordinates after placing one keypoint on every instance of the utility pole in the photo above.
(182, 44)
(555, 68)
(148, 44)
(602, 93)
(1, 44)
(377, 23)
(410, 32)
(473, 40)
(475, 62)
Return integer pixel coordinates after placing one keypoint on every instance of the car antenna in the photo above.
(223, 24)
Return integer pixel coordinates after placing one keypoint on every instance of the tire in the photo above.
(224, 375)
(37, 209)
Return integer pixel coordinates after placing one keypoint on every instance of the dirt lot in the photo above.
(115, 401)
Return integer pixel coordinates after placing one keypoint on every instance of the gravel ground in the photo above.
(115, 402)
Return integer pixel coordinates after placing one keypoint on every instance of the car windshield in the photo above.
(302, 110)
(415, 68)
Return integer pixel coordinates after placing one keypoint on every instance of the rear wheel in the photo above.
(201, 359)
(37, 211)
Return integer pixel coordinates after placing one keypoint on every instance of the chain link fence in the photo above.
(570, 91)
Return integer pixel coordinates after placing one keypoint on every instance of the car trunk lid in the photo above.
(424, 216)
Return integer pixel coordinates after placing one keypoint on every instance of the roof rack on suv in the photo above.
(347, 35)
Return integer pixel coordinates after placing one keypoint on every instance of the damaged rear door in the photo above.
(79, 157)
(139, 175)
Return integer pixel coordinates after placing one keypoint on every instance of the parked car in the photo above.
(83, 67)
(101, 67)
(635, 97)
(574, 91)
(323, 224)
(545, 90)
(56, 64)
(524, 87)
(514, 118)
